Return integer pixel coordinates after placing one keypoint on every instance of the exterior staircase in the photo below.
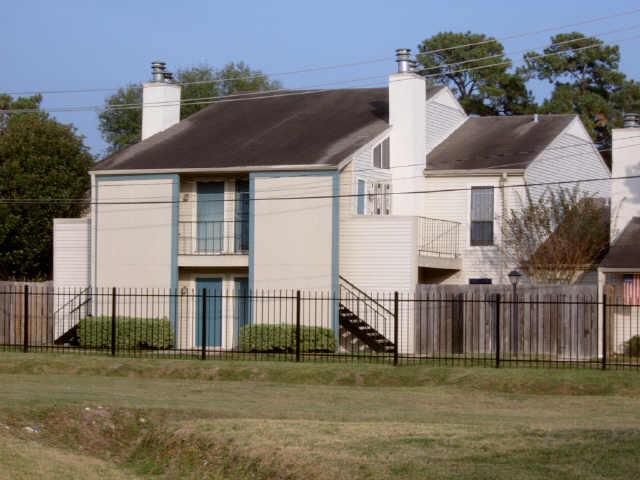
(364, 321)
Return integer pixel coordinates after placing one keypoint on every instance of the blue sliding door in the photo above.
(213, 314)
(210, 216)
(242, 306)
(242, 216)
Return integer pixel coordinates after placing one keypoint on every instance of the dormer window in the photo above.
(381, 155)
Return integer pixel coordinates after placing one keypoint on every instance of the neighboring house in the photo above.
(309, 190)
(619, 271)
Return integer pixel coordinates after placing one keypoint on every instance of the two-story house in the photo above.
(384, 188)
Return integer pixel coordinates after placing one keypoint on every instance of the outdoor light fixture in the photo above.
(514, 277)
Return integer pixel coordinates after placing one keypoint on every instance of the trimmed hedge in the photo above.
(632, 346)
(151, 333)
(281, 338)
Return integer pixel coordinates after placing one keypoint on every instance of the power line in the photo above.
(314, 197)
(345, 65)
(515, 52)
(285, 92)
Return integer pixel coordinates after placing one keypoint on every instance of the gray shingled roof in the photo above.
(497, 142)
(316, 128)
(625, 251)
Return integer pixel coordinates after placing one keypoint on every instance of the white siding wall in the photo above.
(71, 252)
(571, 156)
(379, 255)
(443, 117)
(133, 240)
(478, 262)
(293, 238)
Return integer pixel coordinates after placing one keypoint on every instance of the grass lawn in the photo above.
(74, 416)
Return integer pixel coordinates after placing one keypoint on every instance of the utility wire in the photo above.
(345, 65)
(313, 197)
(285, 92)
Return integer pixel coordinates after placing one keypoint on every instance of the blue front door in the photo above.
(210, 216)
(213, 313)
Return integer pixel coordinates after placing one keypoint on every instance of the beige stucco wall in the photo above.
(133, 239)
(293, 238)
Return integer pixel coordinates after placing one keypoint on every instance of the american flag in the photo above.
(631, 289)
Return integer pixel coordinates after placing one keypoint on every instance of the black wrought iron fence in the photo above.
(492, 329)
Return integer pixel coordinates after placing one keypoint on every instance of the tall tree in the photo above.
(122, 127)
(586, 78)
(40, 159)
(478, 74)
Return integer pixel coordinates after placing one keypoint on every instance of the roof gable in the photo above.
(508, 142)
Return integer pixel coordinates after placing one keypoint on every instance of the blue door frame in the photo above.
(214, 311)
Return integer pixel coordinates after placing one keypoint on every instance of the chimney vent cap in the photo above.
(403, 59)
(631, 120)
(158, 68)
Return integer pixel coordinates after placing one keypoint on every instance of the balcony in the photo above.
(214, 243)
(439, 243)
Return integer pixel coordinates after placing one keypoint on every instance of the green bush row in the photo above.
(282, 338)
(153, 333)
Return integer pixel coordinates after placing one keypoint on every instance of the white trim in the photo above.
(479, 172)
(214, 170)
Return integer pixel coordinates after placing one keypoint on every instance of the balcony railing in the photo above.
(214, 238)
(438, 238)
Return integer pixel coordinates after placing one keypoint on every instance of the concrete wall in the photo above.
(407, 116)
(625, 195)
(160, 107)
(292, 241)
(134, 241)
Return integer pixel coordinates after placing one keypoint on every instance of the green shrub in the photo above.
(282, 338)
(632, 346)
(151, 333)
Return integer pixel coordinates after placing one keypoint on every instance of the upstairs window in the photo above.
(381, 155)
(481, 216)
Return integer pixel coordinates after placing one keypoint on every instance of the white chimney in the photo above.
(625, 162)
(160, 101)
(407, 117)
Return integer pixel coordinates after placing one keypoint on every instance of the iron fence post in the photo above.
(298, 326)
(25, 324)
(497, 322)
(203, 339)
(395, 328)
(113, 322)
(604, 332)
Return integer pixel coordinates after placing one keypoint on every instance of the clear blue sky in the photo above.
(85, 44)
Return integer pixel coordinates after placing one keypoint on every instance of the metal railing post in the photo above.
(114, 331)
(203, 339)
(25, 323)
(395, 328)
(604, 332)
(497, 333)
(298, 326)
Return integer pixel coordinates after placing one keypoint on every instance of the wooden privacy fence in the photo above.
(559, 321)
(12, 313)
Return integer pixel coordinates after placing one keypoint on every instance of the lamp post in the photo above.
(514, 278)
